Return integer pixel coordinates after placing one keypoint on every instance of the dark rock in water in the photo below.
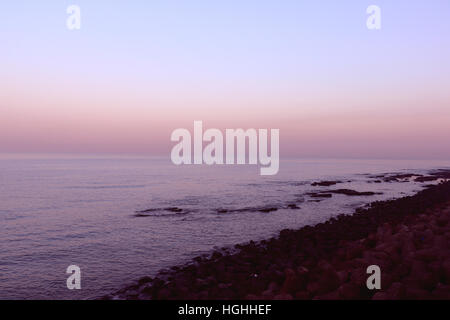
(325, 183)
(426, 179)
(350, 192)
(320, 195)
(173, 209)
(149, 210)
(146, 213)
(144, 280)
(401, 177)
(139, 215)
(434, 175)
(255, 209)
(293, 206)
(267, 209)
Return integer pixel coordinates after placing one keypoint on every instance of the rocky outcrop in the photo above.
(407, 238)
(347, 192)
(325, 183)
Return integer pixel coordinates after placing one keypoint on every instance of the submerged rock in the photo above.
(426, 179)
(152, 211)
(320, 195)
(350, 192)
(325, 183)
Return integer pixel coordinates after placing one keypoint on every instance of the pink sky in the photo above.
(127, 120)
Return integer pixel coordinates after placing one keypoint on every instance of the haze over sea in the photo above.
(56, 211)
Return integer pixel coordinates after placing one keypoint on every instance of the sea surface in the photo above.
(57, 211)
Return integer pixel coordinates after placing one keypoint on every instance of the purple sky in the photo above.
(137, 70)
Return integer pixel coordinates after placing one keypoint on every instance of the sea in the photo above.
(121, 217)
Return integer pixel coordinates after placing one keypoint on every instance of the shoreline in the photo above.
(407, 237)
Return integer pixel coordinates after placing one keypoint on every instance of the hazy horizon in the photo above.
(439, 162)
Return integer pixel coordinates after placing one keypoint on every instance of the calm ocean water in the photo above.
(58, 211)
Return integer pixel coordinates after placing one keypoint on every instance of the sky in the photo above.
(137, 70)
